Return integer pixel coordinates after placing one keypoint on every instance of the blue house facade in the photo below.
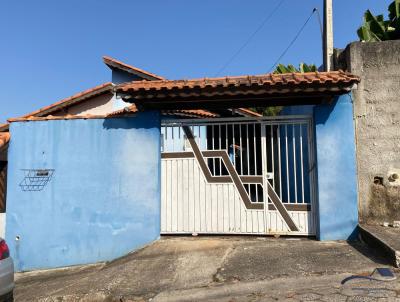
(101, 202)
(89, 188)
(336, 169)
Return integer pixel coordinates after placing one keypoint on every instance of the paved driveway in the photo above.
(177, 267)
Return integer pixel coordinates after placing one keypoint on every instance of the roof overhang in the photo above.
(132, 109)
(72, 100)
(116, 64)
(4, 139)
(235, 92)
(4, 127)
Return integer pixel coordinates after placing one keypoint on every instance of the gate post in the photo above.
(336, 173)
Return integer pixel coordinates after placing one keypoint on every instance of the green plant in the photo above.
(303, 67)
(376, 28)
(268, 111)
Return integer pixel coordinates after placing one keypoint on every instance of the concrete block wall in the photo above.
(103, 200)
(377, 119)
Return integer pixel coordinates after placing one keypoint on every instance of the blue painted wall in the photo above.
(298, 110)
(104, 198)
(336, 167)
(337, 176)
(119, 76)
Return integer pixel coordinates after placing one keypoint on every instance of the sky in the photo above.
(53, 49)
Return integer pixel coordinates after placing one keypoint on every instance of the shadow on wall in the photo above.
(323, 117)
(336, 229)
(124, 123)
(354, 235)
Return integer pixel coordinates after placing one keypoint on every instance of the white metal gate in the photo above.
(217, 174)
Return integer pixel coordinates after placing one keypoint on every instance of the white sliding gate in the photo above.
(218, 174)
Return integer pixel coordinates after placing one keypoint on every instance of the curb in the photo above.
(376, 242)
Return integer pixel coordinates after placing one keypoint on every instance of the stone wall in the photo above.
(377, 120)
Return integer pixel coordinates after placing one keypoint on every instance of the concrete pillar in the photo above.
(328, 36)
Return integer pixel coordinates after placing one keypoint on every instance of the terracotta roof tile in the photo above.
(270, 83)
(127, 110)
(4, 127)
(190, 113)
(4, 139)
(111, 62)
(72, 100)
(248, 112)
(52, 117)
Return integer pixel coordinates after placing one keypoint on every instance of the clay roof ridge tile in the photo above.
(335, 77)
(272, 78)
(269, 79)
(291, 78)
(307, 78)
(328, 78)
(285, 77)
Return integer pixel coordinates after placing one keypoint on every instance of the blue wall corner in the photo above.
(337, 176)
(103, 200)
(119, 76)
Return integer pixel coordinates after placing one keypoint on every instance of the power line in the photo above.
(320, 23)
(292, 42)
(250, 38)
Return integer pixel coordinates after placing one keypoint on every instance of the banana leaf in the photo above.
(307, 68)
(376, 28)
(394, 10)
(281, 69)
(366, 35)
(394, 16)
(377, 25)
(290, 68)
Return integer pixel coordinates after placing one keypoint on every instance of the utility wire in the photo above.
(267, 18)
(320, 23)
(294, 40)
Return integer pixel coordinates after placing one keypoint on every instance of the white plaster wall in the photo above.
(97, 105)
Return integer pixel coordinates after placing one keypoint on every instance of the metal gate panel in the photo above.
(191, 205)
(216, 175)
(289, 165)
